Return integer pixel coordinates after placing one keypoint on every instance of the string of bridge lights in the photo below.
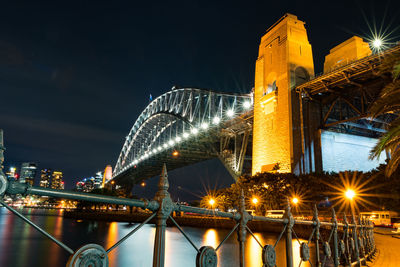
(230, 113)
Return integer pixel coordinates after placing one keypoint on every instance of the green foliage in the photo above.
(389, 103)
(274, 189)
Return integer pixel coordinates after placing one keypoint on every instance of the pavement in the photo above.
(388, 249)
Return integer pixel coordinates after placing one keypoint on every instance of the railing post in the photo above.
(244, 218)
(346, 234)
(166, 206)
(335, 239)
(361, 239)
(316, 237)
(289, 227)
(367, 242)
(354, 230)
(371, 235)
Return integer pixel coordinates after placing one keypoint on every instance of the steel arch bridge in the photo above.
(185, 126)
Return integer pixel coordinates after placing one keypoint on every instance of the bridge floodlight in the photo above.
(377, 43)
(216, 120)
(246, 104)
(185, 135)
(154, 151)
(204, 125)
(165, 145)
(178, 139)
(159, 148)
(171, 142)
(195, 131)
(230, 113)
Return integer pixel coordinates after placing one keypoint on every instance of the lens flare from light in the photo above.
(216, 120)
(350, 194)
(377, 43)
(211, 201)
(204, 125)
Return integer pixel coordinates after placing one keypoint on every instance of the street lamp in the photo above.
(350, 194)
(254, 200)
(211, 202)
(295, 200)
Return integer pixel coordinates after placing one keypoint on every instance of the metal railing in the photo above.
(348, 244)
(351, 243)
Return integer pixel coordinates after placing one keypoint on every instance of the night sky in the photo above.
(74, 76)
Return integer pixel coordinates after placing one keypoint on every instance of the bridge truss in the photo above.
(345, 96)
(185, 126)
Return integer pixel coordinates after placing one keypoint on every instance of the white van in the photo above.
(380, 218)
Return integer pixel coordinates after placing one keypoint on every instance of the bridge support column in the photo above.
(166, 206)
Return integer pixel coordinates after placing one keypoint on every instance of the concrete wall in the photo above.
(341, 152)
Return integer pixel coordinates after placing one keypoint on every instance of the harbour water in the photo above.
(23, 246)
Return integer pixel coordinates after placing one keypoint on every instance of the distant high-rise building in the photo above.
(12, 173)
(56, 180)
(28, 173)
(98, 180)
(45, 177)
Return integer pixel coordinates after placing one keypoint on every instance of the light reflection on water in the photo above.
(23, 246)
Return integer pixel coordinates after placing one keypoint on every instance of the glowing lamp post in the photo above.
(254, 200)
(295, 200)
(211, 202)
(350, 194)
(377, 43)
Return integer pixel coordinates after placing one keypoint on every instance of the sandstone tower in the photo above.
(284, 61)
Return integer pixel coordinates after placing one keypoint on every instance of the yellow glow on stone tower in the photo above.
(284, 61)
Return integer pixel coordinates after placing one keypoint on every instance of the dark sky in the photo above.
(74, 76)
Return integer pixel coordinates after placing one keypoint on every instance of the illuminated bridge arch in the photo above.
(185, 126)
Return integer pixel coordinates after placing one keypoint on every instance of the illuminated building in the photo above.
(28, 173)
(88, 185)
(98, 180)
(12, 173)
(45, 177)
(107, 174)
(56, 180)
(350, 50)
(284, 61)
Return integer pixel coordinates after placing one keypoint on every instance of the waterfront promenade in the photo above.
(388, 249)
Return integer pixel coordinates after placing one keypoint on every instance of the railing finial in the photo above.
(163, 183)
